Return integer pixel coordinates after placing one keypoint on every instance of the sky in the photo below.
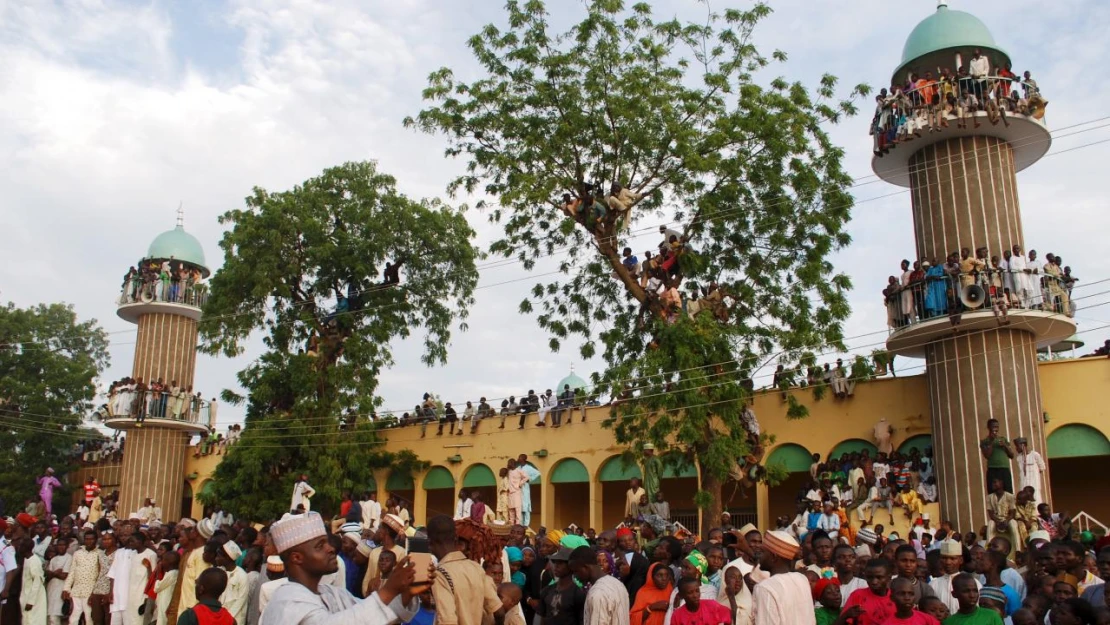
(114, 113)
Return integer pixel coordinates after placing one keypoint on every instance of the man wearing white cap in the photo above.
(390, 528)
(784, 598)
(303, 544)
(235, 594)
(194, 564)
(951, 561)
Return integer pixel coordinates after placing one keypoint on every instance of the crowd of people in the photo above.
(371, 565)
(931, 103)
(93, 451)
(135, 399)
(561, 410)
(164, 280)
(926, 289)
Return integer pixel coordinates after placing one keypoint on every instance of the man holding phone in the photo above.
(463, 593)
(302, 542)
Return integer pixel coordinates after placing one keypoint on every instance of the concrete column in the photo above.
(153, 466)
(973, 378)
(596, 510)
(547, 502)
(166, 347)
(419, 501)
(763, 505)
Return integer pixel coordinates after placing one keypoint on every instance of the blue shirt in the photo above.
(631, 262)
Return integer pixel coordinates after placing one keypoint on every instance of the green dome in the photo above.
(948, 30)
(179, 245)
(576, 383)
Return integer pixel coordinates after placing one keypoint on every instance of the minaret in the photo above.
(964, 193)
(167, 314)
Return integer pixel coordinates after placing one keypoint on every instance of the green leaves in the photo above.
(744, 170)
(305, 266)
(49, 362)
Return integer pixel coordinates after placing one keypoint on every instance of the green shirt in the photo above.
(653, 472)
(999, 459)
(981, 616)
(826, 616)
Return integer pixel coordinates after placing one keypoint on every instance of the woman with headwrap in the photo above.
(653, 599)
(693, 566)
(735, 595)
(516, 562)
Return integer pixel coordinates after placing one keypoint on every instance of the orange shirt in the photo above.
(927, 90)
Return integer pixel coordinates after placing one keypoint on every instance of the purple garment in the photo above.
(478, 511)
(47, 484)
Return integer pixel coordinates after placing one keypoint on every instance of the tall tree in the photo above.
(306, 267)
(49, 362)
(743, 172)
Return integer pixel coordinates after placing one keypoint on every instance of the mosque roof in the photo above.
(179, 245)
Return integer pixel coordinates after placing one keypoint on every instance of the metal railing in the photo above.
(174, 291)
(1084, 522)
(901, 114)
(940, 292)
(131, 403)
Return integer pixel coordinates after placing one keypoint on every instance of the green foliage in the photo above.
(304, 266)
(49, 363)
(744, 170)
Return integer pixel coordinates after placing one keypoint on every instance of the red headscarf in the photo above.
(647, 595)
(822, 584)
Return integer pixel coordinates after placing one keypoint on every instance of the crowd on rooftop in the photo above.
(135, 399)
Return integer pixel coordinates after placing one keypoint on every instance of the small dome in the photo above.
(947, 30)
(576, 383)
(179, 245)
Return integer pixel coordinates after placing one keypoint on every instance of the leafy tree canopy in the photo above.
(306, 267)
(49, 362)
(642, 122)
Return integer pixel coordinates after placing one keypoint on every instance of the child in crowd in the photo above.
(966, 589)
(903, 593)
(210, 585)
(695, 610)
(874, 601)
(510, 596)
(386, 561)
(166, 582)
(934, 607)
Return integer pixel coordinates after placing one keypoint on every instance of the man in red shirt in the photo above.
(904, 595)
(91, 486)
(875, 599)
(698, 611)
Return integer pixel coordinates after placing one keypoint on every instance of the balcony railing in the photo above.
(930, 105)
(925, 296)
(146, 290)
(140, 405)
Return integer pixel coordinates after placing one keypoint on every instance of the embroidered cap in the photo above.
(781, 544)
(297, 529)
(232, 550)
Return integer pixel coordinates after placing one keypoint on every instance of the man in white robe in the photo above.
(951, 561)
(1031, 467)
(302, 494)
(785, 597)
(303, 544)
(237, 591)
(533, 477)
(142, 565)
(120, 574)
(371, 513)
(32, 598)
(58, 570)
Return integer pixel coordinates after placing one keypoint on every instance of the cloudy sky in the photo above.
(114, 112)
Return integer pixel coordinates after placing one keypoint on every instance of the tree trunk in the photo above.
(711, 515)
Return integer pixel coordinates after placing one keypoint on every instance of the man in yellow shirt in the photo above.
(194, 564)
(911, 503)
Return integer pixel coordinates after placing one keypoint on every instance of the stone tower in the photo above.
(964, 193)
(167, 312)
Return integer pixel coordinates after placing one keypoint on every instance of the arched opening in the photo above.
(679, 488)
(920, 442)
(187, 501)
(614, 476)
(402, 487)
(570, 483)
(206, 489)
(480, 478)
(795, 460)
(852, 445)
(1077, 455)
(439, 486)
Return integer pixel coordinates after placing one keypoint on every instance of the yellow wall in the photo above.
(1073, 391)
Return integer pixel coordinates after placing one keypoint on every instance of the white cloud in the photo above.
(107, 123)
